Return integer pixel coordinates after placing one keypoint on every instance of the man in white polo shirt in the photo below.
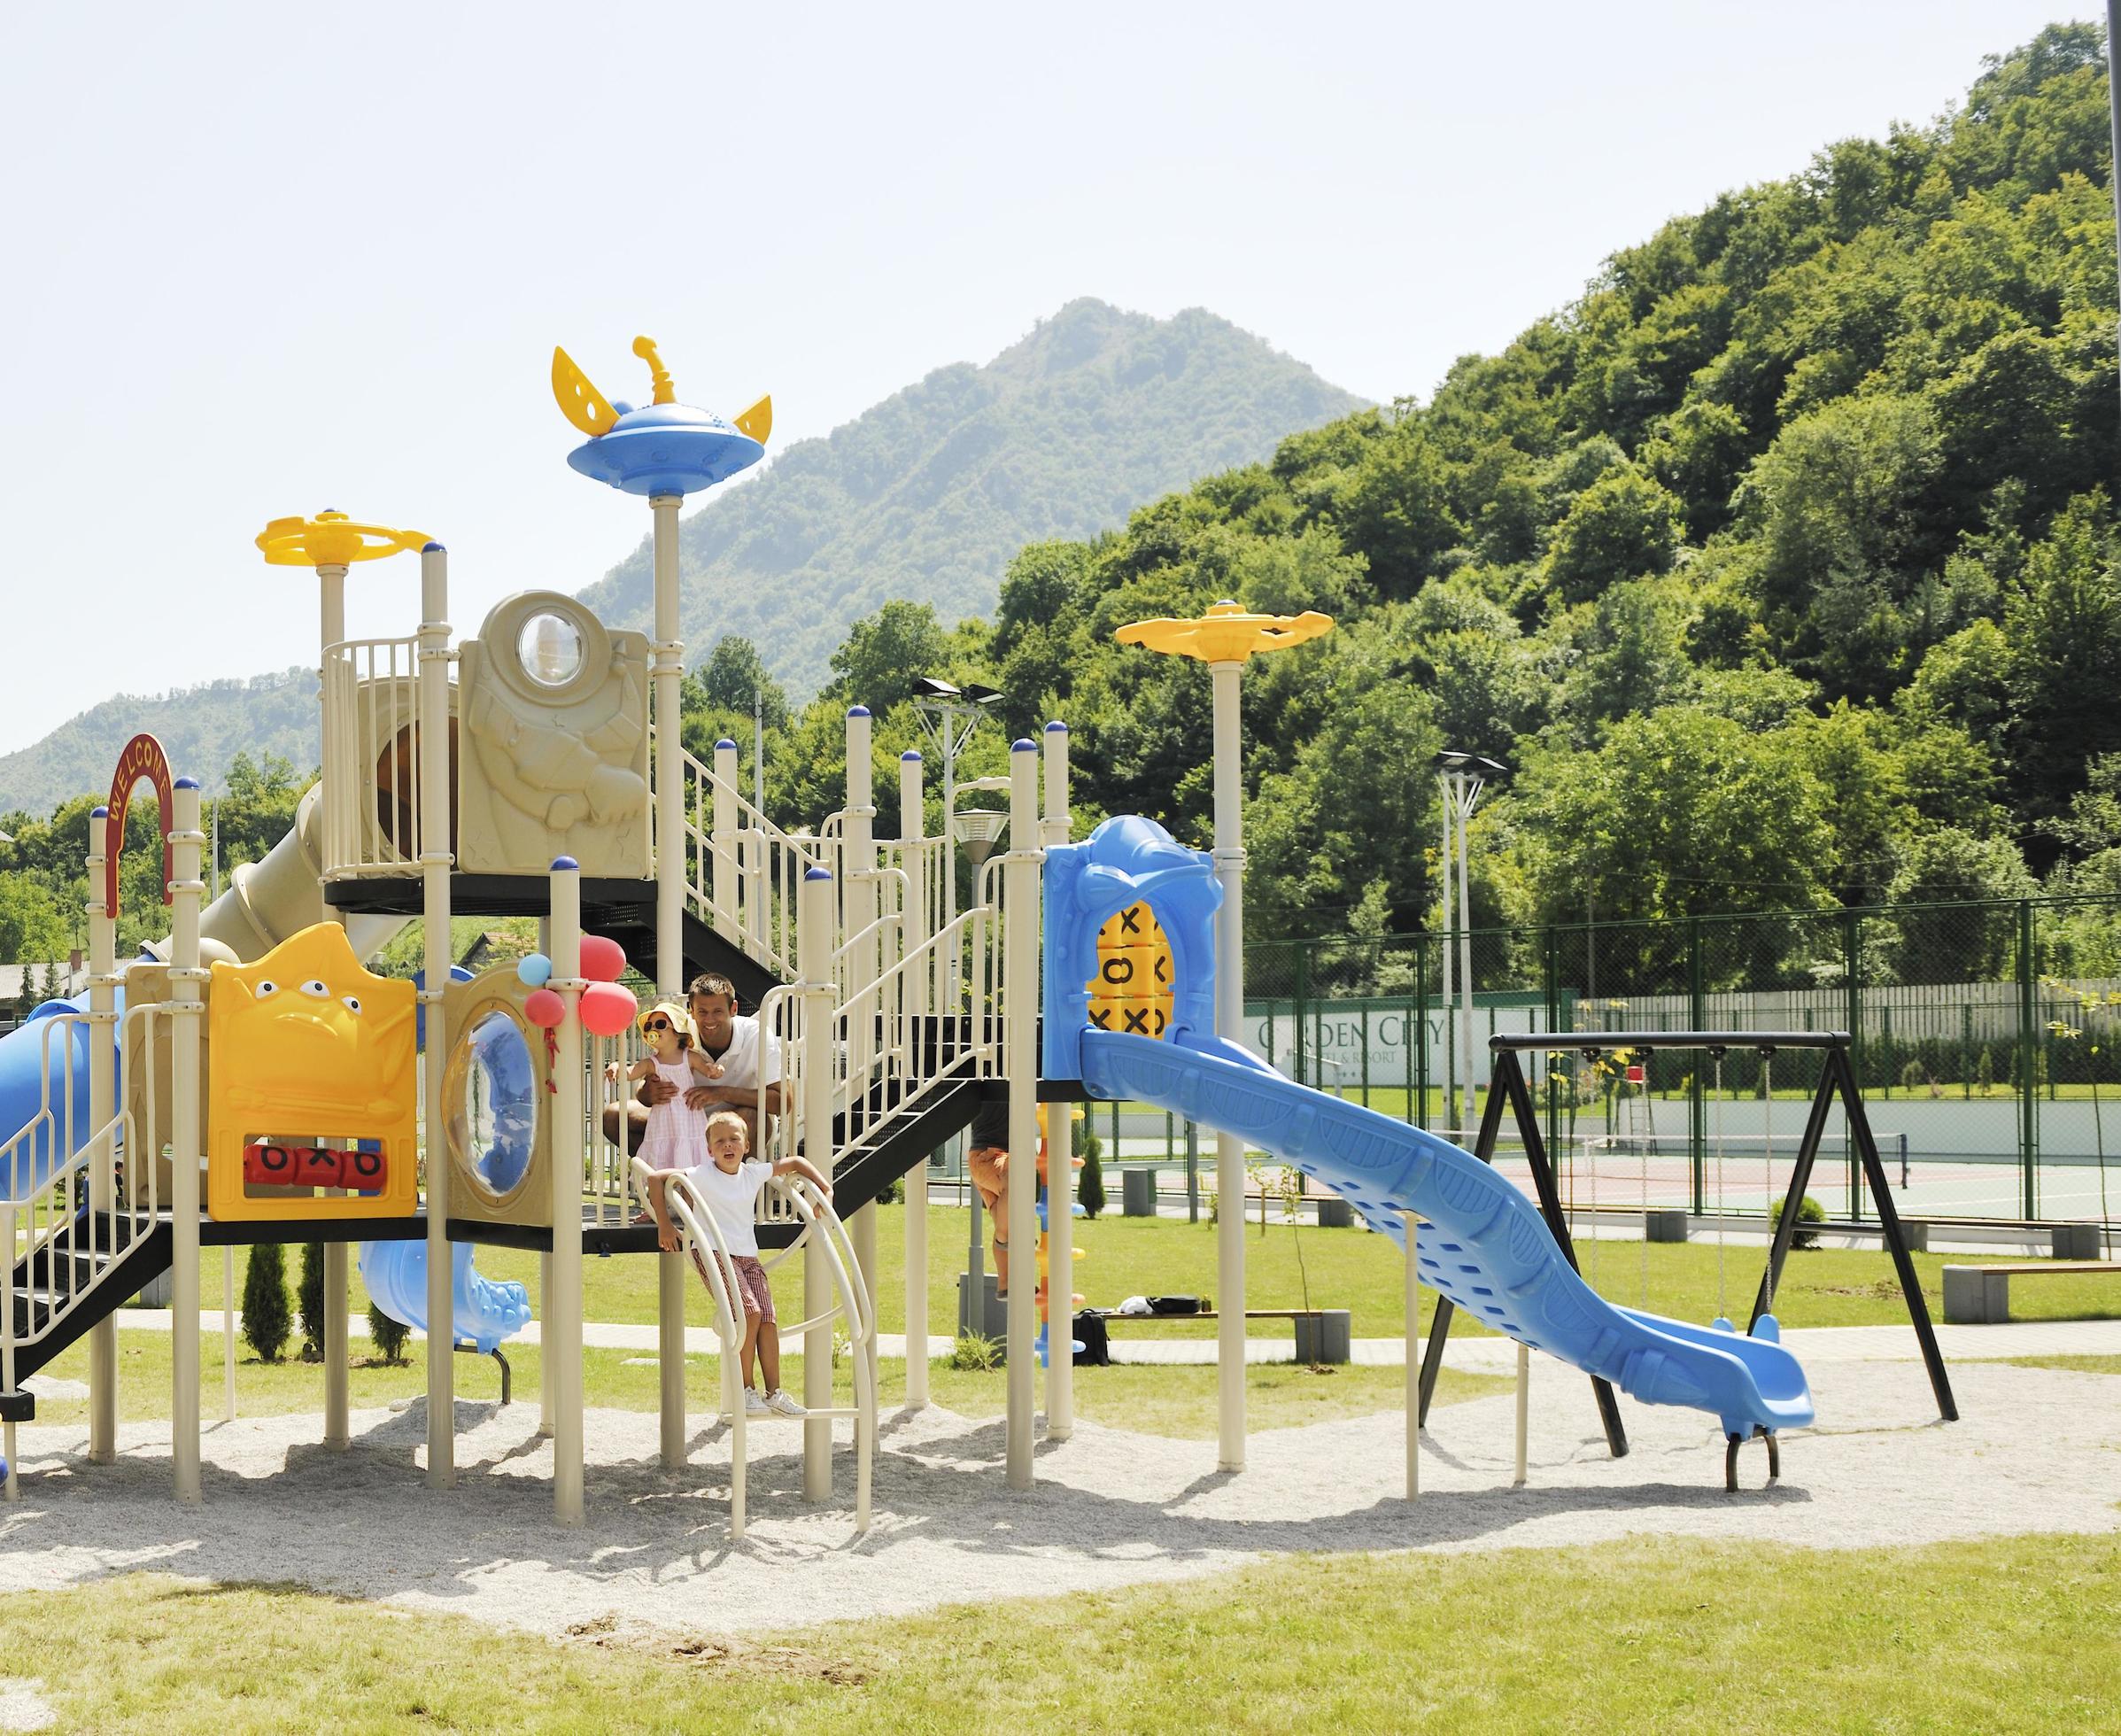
(748, 1055)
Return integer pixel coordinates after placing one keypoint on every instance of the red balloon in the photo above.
(544, 1008)
(608, 1008)
(602, 960)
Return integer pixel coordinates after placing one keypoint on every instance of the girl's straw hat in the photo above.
(681, 1021)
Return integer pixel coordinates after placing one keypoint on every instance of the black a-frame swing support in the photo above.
(1837, 1079)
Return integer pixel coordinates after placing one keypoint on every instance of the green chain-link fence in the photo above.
(1984, 1041)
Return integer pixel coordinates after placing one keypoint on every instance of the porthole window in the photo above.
(550, 649)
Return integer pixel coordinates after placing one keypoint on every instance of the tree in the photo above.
(30, 924)
(1624, 526)
(266, 1319)
(309, 1300)
(2062, 625)
(387, 1334)
(734, 672)
(1944, 941)
(1089, 1188)
(884, 653)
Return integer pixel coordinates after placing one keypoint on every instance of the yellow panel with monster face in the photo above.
(310, 1051)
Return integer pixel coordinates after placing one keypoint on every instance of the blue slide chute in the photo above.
(486, 1314)
(1487, 1248)
(43, 1064)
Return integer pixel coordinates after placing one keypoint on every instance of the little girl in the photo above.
(677, 1135)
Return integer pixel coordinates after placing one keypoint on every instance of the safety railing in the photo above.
(60, 1248)
(741, 870)
(711, 1257)
(371, 757)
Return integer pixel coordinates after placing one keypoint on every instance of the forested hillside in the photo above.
(1780, 568)
(928, 494)
(205, 726)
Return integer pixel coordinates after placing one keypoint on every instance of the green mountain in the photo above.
(202, 727)
(928, 495)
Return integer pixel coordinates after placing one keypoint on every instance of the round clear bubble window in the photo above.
(499, 1111)
(550, 649)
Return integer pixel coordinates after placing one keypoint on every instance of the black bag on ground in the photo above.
(1174, 1304)
(1096, 1343)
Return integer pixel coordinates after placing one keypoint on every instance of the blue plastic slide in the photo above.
(1486, 1246)
(486, 1314)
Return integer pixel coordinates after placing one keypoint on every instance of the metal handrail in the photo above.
(698, 1225)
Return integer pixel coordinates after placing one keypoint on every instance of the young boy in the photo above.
(730, 1189)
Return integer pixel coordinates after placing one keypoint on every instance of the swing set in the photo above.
(1507, 1088)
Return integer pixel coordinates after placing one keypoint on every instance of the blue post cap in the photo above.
(912, 755)
(725, 742)
(185, 784)
(99, 812)
(565, 865)
(857, 712)
(1056, 725)
(818, 873)
(432, 548)
(1023, 745)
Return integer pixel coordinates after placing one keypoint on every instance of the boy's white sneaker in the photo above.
(781, 1405)
(754, 1405)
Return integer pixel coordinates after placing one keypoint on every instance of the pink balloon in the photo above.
(608, 1008)
(602, 960)
(544, 1008)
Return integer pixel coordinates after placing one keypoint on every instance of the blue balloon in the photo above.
(534, 970)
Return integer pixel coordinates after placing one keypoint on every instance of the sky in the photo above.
(268, 260)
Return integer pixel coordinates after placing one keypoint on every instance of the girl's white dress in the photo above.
(677, 1136)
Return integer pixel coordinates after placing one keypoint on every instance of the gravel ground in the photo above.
(2036, 1451)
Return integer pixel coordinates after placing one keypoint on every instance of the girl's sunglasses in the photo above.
(658, 1023)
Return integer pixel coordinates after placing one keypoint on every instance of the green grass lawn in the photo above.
(2081, 1365)
(2017, 1634)
(1177, 1402)
(1329, 1268)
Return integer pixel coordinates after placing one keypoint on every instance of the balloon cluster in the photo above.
(607, 1008)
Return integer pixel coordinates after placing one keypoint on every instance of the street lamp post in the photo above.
(950, 714)
(1459, 777)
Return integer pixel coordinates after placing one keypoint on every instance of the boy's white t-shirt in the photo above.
(750, 1053)
(732, 1199)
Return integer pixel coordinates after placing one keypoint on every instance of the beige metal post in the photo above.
(813, 957)
(563, 1328)
(1229, 1024)
(435, 862)
(102, 1103)
(1060, 1167)
(1524, 1413)
(665, 672)
(1413, 1362)
(726, 816)
(860, 908)
(1020, 1004)
(912, 825)
(187, 1005)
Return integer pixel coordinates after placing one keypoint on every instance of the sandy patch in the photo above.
(2036, 1451)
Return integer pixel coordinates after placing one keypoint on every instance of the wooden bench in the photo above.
(1980, 1294)
(1328, 1336)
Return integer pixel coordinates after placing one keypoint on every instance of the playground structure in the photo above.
(260, 1083)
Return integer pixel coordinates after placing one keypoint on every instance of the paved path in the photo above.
(1810, 1344)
